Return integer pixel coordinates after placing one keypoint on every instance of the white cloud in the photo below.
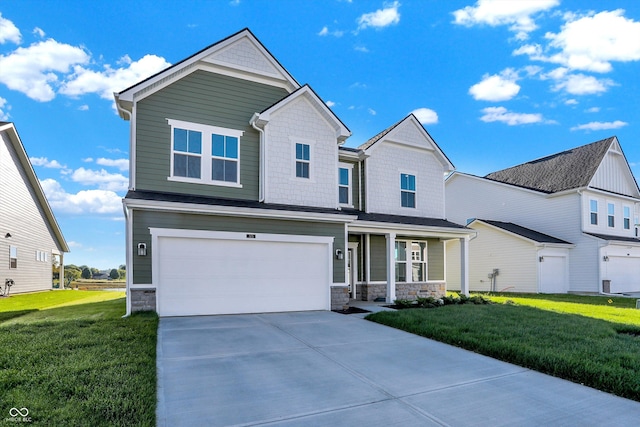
(83, 202)
(32, 70)
(83, 107)
(496, 87)
(45, 162)
(73, 244)
(39, 32)
(600, 125)
(330, 104)
(592, 110)
(580, 84)
(501, 114)
(360, 48)
(103, 179)
(88, 160)
(9, 32)
(571, 102)
(426, 116)
(371, 111)
(381, 18)
(592, 42)
(325, 32)
(122, 164)
(517, 14)
(4, 114)
(110, 80)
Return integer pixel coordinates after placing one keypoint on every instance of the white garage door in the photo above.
(624, 273)
(201, 272)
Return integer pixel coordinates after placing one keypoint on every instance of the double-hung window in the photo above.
(418, 261)
(224, 158)
(626, 220)
(303, 160)
(187, 153)
(204, 154)
(13, 257)
(401, 261)
(611, 219)
(411, 261)
(344, 184)
(407, 190)
(593, 210)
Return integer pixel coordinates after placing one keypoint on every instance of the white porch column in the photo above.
(367, 253)
(391, 264)
(464, 265)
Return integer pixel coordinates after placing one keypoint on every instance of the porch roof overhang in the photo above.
(409, 226)
(616, 240)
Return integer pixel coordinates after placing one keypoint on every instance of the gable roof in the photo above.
(527, 233)
(342, 131)
(261, 64)
(10, 129)
(368, 145)
(566, 170)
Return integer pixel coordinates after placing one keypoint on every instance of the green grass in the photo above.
(557, 335)
(71, 359)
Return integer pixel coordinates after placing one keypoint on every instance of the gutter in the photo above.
(263, 154)
(127, 259)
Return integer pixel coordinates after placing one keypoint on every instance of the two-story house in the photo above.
(563, 223)
(244, 199)
(30, 237)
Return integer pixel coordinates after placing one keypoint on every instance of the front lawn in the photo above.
(71, 359)
(557, 335)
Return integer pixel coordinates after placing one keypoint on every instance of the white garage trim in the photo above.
(321, 277)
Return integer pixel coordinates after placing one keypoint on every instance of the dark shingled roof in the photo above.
(401, 219)
(617, 238)
(379, 136)
(525, 232)
(561, 171)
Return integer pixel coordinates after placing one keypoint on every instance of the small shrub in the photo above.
(403, 303)
(479, 300)
(428, 302)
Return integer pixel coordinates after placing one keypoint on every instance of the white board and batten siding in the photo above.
(22, 217)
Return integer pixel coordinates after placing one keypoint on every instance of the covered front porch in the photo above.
(404, 262)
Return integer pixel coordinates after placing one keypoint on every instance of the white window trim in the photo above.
(311, 143)
(13, 249)
(611, 215)
(409, 261)
(626, 217)
(206, 154)
(415, 192)
(596, 212)
(349, 168)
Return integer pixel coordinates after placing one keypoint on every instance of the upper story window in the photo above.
(303, 160)
(593, 208)
(611, 219)
(344, 184)
(224, 161)
(13, 257)
(407, 190)
(626, 217)
(187, 153)
(204, 154)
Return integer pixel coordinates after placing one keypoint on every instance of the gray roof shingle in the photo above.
(567, 170)
(525, 232)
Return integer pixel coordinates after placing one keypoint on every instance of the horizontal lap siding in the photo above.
(22, 216)
(209, 99)
(142, 220)
(378, 253)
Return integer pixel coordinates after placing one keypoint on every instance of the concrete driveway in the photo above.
(329, 369)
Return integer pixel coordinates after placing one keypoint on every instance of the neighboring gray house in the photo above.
(586, 197)
(29, 235)
(243, 199)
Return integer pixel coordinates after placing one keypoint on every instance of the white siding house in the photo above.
(29, 234)
(586, 196)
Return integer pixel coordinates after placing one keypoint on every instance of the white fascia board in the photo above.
(526, 239)
(350, 155)
(234, 235)
(500, 184)
(237, 211)
(610, 194)
(411, 229)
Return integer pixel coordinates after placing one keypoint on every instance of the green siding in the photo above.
(210, 99)
(143, 219)
(378, 258)
(435, 259)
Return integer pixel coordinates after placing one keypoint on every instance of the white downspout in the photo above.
(263, 153)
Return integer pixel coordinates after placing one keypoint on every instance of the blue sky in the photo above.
(496, 83)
